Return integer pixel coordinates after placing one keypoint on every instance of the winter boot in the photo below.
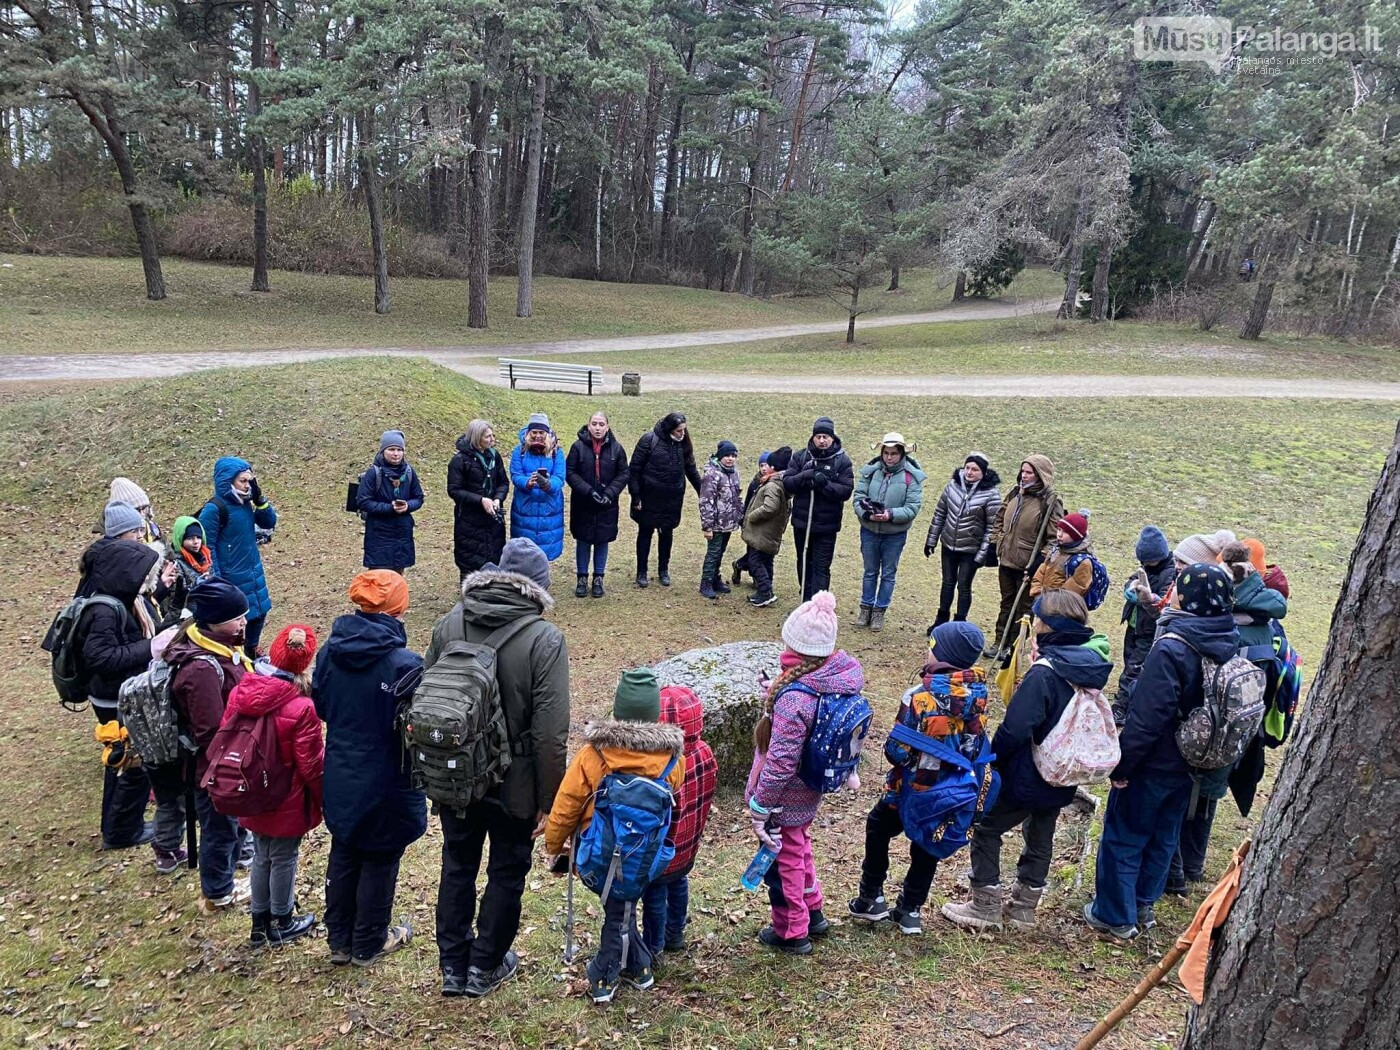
(598, 591)
(707, 590)
(983, 912)
(877, 619)
(1020, 909)
(863, 617)
(262, 922)
(288, 928)
(720, 586)
(581, 591)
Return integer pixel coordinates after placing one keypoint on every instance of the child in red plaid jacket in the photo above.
(667, 900)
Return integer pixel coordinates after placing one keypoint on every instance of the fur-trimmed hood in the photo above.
(610, 734)
(487, 592)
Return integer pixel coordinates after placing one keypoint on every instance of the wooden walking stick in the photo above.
(1152, 980)
(569, 910)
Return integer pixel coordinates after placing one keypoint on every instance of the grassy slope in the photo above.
(101, 952)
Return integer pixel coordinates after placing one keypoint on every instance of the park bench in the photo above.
(515, 369)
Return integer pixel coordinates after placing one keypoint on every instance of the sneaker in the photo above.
(818, 925)
(762, 598)
(482, 983)
(1147, 919)
(169, 863)
(601, 992)
(340, 956)
(641, 978)
(1121, 933)
(1182, 890)
(908, 921)
(720, 586)
(285, 929)
(869, 909)
(789, 945)
(148, 834)
(663, 578)
(454, 984)
(398, 937)
(240, 896)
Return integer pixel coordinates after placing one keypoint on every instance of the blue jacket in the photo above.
(369, 797)
(1255, 606)
(535, 513)
(1035, 709)
(1170, 686)
(228, 532)
(388, 535)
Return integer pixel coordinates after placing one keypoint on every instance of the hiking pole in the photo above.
(1012, 620)
(1152, 980)
(806, 549)
(191, 817)
(569, 911)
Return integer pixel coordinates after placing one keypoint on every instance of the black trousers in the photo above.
(1038, 830)
(1189, 862)
(958, 569)
(613, 958)
(1011, 610)
(821, 552)
(360, 888)
(760, 564)
(463, 838)
(124, 797)
(663, 548)
(882, 827)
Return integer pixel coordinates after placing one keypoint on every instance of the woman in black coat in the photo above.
(662, 462)
(597, 473)
(478, 484)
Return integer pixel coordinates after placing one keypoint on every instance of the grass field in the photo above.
(97, 951)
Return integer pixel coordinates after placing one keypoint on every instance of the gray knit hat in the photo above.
(119, 518)
(1203, 547)
(523, 556)
(391, 439)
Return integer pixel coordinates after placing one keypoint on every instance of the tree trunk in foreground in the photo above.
(478, 205)
(1098, 303)
(530, 203)
(1310, 956)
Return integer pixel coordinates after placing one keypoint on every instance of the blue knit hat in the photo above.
(1152, 546)
(957, 643)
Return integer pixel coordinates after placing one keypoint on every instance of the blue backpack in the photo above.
(1283, 668)
(939, 818)
(1098, 588)
(833, 747)
(627, 845)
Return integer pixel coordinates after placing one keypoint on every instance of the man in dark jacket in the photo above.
(1152, 782)
(821, 479)
(1142, 597)
(389, 494)
(532, 670)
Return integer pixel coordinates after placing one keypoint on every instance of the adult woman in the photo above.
(124, 490)
(962, 523)
(662, 462)
(888, 496)
(478, 486)
(389, 493)
(232, 520)
(1020, 539)
(537, 472)
(597, 473)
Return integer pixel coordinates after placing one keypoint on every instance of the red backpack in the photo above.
(246, 774)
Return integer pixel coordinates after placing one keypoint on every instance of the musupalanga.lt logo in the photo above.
(1213, 40)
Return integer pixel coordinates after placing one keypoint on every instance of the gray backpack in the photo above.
(1216, 734)
(453, 727)
(147, 709)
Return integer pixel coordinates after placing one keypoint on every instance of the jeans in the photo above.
(760, 565)
(958, 569)
(620, 946)
(880, 552)
(665, 908)
(1011, 610)
(794, 891)
(599, 556)
(663, 548)
(1189, 861)
(823, 549)
(882, 827)
(1141, 826)
(714, 555)
(498, 921)
(359, 898)
(252, 633)
(219, 845)
(1038, 834)
(274, 875)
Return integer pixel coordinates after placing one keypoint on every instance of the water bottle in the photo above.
(758, 867)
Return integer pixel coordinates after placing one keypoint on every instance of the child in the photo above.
(951, 702)
(193, 564)
(812, 666)
(1071, 538)
(1142, 605)
(632, 741)
(741, 564)
(667, 900)
(285, 697)
(721, 510)
(765, 523)
(1272, 575)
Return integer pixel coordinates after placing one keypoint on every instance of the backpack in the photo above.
(627, 845)
(1215, 735)
(1098, 587)
(246, 774)
(1283, 670)
(1082, 748)
(453, 727)
(146, 708)
(64, 643)
(832, 751)
(939, 818)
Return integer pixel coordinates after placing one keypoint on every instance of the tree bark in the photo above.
(1098, 304)
(851, 314)
(1253, 326)
(1310, 956)
(256, 153)
(1074, 262)
(478, 204)
(529, 202)
(369, 183)
(960, 287)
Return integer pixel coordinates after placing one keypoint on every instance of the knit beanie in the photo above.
(780, 458)
(979, 458)
(726, 448)
(810, 629)
(1152, 546)
(1202, 547)
(124, 490)
(524, 556)
(184, 528)
(1205, 590)
(763, 457)
(391, 439)
(380, 591)
(539, 421)
(1077, 525)
(1258, 557)
(215, 600)
(638, 696)
(119, 517)
(957, 643)
(293, 649)
(824, 425)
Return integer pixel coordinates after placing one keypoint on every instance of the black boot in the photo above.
(581, 591)
(598, 591)
(262, 923)
(288, 928)
(719, 585)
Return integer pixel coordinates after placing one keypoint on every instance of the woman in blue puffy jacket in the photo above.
(537, 473)
(232, 520)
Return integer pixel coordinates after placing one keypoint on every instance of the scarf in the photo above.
(598, 460)
(142, 612)
(201, 565)
(234, 655)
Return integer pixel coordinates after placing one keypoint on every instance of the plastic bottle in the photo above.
(758, 867)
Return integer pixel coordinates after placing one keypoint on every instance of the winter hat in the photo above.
(894, 437)
(1205, 590)
(1076, 525)
(824, 425)
(811, 628)
(671, 420)
(957, 643)
(780, 459)
(391, 439)
(1202, 547)
(119, 517)
(538, 421)
(523, 556)
(124, 490)
(1257, 555)
(293, 649)
(980, 458)
(763, 457)
(380, 591)
(726, 448)
(638, 696)
(215, 600)
(1152, 546)
(184, 528)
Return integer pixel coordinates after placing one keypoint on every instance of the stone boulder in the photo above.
(725, 678)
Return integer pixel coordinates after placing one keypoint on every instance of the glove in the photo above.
(929, 548)
(256, 492)
(772, 838)
(819, 479)
(979, 558)
(599, 497)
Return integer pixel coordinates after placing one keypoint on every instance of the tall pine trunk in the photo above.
(1310, 956)
(256, 152)
(369, 183)
(1253, 326)
(1098, 303)
(529, 202)
(478, 205)
(1074, 261)
(960, 287)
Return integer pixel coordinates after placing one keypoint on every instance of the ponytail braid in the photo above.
(763, 731)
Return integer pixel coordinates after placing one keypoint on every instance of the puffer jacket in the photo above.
(538, 513)
(963, 517)
(820, 484)
(1053, 572)
(767, 517)
(532, 671)
(1018, 519)
(389, 534)
(114, 646)
(681, 707)
(657, 477)
(477, 537)
(1255, 605)
(588, 471)
(721, 506)
(950, 705)
(901, 490)
(299, 746)
(610, 746)
(200, 691)
(190, 570)
(234, 545)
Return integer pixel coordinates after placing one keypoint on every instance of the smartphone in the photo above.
(542, 471)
